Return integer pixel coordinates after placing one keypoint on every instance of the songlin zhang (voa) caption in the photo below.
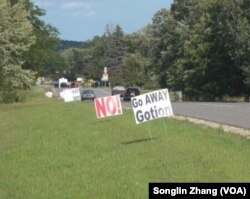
(199, 190)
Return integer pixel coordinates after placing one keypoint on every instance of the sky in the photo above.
(81, 20)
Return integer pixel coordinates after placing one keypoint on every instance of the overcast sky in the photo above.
(81, 20)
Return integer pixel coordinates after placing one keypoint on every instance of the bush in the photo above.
(151, 85)
(9, 96)
(13, 96)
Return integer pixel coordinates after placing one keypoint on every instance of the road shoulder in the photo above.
(224, 127)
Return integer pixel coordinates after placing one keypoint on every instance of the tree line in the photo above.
(200, 47)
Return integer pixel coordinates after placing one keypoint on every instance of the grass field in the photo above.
(55, 150)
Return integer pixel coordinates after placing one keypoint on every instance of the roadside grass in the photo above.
(51, 149)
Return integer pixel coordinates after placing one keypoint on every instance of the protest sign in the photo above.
(108, 106)
(71, 94)
(151, 106)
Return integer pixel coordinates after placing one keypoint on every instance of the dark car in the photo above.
(118, 90)
(64, 85)
(130, 92)
(87, 95)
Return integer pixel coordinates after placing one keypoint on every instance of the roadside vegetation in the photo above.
(199, 47)
(52, 149)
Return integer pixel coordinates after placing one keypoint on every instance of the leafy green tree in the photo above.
(115, 52)
(74, 63)
(186, 11)
(165, 45)
(138, 42)
(97, 57)
(16, 38)
(137, 70)
(88, 61)
(169, 31)
(217, 51)
(66, 44)
(246, 68)
(42, 56)
(245, 6)
(55, 67)
(202, 48)
(133, 70)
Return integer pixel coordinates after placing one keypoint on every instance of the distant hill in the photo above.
(65, 44)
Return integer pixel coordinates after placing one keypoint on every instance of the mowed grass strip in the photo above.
(60, 150)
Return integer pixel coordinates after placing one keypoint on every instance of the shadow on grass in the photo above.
(139, 141)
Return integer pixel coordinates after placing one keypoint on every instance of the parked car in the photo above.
(88, 95)
(64, 85)
(130, 92)
(118, 90)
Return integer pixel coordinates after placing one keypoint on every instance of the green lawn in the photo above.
(55, 150)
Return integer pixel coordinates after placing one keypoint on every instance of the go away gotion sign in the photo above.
(151, 106)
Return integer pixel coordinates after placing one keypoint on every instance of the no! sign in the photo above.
(108, 106)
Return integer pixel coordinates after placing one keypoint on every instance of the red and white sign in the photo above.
(108, 106)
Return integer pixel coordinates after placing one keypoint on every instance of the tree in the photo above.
(170, 30)
(116, 51)
(138, 42)
(15, 38)
(88, 61)
(186, 11)
(166, 45)
(217, 51)
(202, 47)
(136, 67)
(133, 70)
(42, 56)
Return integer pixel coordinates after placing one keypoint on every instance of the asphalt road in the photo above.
(234, 114)
(100, 92)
